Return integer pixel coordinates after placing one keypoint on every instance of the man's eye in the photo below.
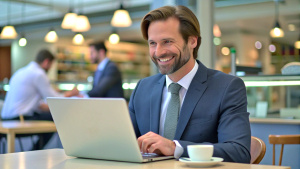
(167, 41)
(152, 43)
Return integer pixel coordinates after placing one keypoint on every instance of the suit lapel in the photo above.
(155, 105)
(194, 93)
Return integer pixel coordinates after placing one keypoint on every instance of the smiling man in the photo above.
(187, 103)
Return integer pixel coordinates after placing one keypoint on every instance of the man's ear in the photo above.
(45, 62)
(192, 41)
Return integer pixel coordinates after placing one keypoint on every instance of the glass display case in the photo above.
(276, 96)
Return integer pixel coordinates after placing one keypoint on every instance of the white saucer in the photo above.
(214, 161)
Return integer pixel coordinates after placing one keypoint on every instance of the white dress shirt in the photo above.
(27, 87)
(166, 97)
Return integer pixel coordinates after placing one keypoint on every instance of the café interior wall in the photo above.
(246, 52)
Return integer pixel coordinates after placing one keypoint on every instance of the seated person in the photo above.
(187, 103)
(28, 87)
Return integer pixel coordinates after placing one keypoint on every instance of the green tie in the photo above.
(172, 112)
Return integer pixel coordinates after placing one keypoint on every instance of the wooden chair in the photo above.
(283, 139)
(258, 150)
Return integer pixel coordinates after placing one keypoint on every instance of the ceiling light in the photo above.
(69, 20)
(297, 43)
(9, 32)
(82, 24)
(276, 31)
(217, 41)
(51, 36)
(121, 18)
(217, 31)
(22, 41)
(272, 48)
(78, 39)
(292, 27)
(114, 38)
(225, 51)
(258, 45)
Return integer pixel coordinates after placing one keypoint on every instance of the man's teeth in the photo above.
(165, 60)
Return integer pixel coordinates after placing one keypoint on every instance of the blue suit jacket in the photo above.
(214, 112)
(109, 84)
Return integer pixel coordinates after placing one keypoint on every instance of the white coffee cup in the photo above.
(200, 152)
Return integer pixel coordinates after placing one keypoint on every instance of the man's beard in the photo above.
(180, 61)
(96, 60)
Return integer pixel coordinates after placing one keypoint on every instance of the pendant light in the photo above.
(82, 22)
(8, 32)
(276, 32)
(78, 39)
(69, 20)
(51, 36)
(217, 31)
(114, 37)
(23, 40)
(121, 18)
(297, 43)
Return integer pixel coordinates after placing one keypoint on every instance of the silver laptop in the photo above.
(98, 128)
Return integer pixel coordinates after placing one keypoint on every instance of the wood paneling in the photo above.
(5, 62)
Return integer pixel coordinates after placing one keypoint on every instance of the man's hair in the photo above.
(189, 25)
(43, 55)
(99, 45)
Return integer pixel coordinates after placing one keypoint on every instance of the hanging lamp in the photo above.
(23, 40)
(78, 39)
(51, 36)
(69, 20)
(8, 32)
(217, 31)
(114, 37)
(121, 18)
(82, 22)
(297, 43)
(276, 31)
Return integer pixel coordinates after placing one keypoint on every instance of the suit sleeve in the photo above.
(132, 112)
(234, 135)
(108, 79)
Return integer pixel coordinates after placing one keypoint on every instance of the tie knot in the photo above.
(174, 88)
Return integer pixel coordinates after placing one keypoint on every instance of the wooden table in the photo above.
(11, 128)
(56, 159)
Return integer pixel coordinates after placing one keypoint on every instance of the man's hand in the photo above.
(44, 107)
(154, 143)
(73, 92)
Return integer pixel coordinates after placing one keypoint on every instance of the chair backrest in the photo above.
(258, 150)
(283, 139)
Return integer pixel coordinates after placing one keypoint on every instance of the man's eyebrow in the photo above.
(149, 40)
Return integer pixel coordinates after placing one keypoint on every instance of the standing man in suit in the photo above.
(211, 106)
(107, 78)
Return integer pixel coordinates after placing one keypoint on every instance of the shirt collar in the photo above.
(186, 80)
(102, 64)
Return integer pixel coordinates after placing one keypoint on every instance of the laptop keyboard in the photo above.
(149, 155)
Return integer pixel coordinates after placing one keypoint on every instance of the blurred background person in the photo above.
(28, 88)
(107, 78)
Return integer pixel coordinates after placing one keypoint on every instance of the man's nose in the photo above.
(160, 50)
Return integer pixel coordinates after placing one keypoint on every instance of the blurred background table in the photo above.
(11, 128)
